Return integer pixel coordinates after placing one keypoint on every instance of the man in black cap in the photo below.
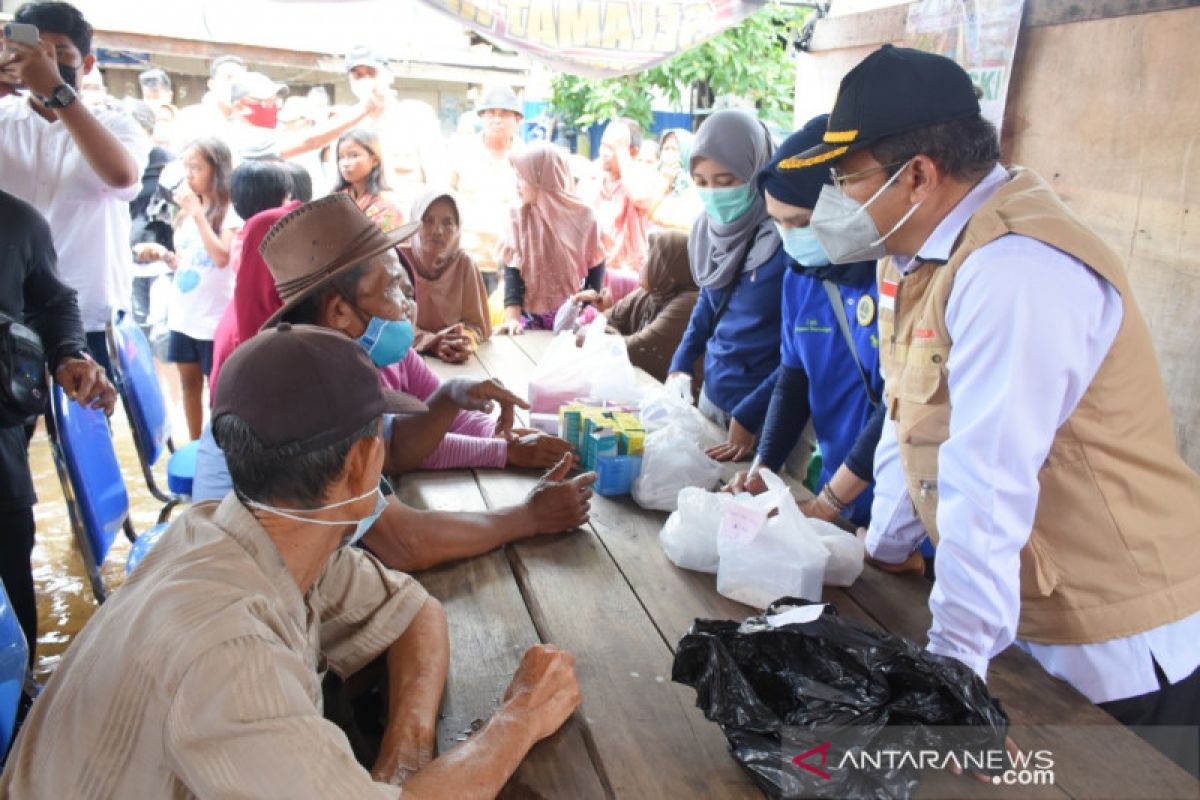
(1028, 428)
(215, 644)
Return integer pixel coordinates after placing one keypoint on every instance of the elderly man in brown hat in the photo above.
(335, 268)
(201, 676)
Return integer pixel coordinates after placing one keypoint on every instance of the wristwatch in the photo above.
(62, 96)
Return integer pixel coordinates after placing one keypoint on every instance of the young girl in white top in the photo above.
(203, 283)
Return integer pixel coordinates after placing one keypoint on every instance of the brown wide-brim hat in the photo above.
(312, 245)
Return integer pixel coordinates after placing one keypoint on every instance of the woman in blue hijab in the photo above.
(829, 347)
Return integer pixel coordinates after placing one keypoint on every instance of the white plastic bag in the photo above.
(785, 558)
(690, 536)
(661, 408)
(600, 370)
(846, 553)
(672, 460)
(567, 314)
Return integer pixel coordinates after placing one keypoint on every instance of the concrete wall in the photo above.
(1105, 110)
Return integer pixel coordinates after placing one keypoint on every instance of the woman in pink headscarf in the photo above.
(552, 248)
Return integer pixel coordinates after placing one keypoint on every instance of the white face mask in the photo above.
(362, 88)
(361, 525)
(846, 230)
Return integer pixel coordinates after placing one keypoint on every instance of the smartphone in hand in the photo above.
(18, 32)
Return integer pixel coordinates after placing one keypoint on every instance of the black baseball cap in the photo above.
(304, 387)
(893, 90)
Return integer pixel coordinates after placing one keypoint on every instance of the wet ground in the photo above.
(65, 600)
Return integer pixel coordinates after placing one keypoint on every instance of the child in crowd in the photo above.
(452, 312)
(361, 175)
(203, 281)
(552, 249)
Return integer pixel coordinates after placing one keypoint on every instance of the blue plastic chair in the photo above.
(14, 664)
(92, 483)
(146, 408)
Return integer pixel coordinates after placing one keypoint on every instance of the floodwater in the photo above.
(65, 600)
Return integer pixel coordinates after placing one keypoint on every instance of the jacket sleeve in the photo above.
(695, 339)
(787, 415)
(514, 287)
(50, 305)
(861, 458)
(751, 412)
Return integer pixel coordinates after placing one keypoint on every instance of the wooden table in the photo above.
(608, 594)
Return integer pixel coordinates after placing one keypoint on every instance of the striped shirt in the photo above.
(201, 676)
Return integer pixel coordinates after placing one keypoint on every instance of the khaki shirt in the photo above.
(486, 189)
(201, 676)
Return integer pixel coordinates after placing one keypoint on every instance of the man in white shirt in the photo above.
(1028, 429)
(414, 151)
(79, 168)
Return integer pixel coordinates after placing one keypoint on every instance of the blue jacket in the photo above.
(812, 343)
(741, 355)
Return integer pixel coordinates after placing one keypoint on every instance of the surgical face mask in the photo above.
(387, 341)
(361, 526)
(362, 88)
(803, 246)
(846, 230)
(728, 204)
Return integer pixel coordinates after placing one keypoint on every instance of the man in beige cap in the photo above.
(333, 267)
(201, 676)
(484, 179)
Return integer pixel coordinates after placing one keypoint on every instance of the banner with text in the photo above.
(599, 38)
(981, 35)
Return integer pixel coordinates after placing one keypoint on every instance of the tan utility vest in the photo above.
(1115, 547)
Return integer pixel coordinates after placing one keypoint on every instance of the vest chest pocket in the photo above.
(923, 410)
(924, 379)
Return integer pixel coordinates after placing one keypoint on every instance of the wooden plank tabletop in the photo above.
(608, 594)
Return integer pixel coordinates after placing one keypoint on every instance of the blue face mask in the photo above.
(803, 246)
(360, 526)
(728, 204)
(387, 341)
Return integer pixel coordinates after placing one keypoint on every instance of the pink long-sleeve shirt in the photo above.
(470, 441)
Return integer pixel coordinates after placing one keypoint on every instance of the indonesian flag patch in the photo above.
(887, 295)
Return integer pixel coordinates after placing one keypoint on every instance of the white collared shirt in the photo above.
(1031, 326)
(89, 220)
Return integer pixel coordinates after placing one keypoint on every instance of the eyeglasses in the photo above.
(840, 179)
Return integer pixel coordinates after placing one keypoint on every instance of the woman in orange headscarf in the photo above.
(452, 313)
(552, 248)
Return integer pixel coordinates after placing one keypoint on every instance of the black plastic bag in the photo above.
(816, 692)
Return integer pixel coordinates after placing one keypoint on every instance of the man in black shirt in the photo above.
(31, 292)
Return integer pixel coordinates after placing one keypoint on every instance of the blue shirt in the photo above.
(812, 341)
(741, 355)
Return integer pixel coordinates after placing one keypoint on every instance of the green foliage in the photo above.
(751, 60)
